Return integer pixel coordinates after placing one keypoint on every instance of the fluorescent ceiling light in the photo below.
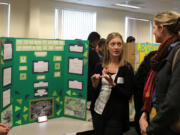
(3, 3)
(138, 19)
(126, 5)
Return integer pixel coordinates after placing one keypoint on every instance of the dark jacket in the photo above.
(167, 94)
(118, 103)
(139, 81)
(93, 60)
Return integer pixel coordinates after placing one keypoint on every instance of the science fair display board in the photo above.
(42, 77)
(141, 50)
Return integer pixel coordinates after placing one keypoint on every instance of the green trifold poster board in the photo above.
(42, 77)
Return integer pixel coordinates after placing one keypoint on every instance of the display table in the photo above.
(60, 126)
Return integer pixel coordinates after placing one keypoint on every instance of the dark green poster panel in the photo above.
(6, 69)
(42, 77)
(38, 87)
(76, 79)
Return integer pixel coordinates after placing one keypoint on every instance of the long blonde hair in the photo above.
(107, 59)
(169, 19)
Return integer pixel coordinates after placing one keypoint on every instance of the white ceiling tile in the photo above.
(147, 6)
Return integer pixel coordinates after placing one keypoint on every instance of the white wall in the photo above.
(19, 17)
(35, 18)
(4, 20)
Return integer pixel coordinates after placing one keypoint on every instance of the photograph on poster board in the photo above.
(7, 52)
(76, 66)
(79, 48)
(57, 74)
(57, 66)
(74, 107)
(23, 59)
(41, 107)
(7, 76)
(57, 58)
(6, 97)
(40, 66)
(23, 76)
(75, 84)
(6, 116)
(41, 92)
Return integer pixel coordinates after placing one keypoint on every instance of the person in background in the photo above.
(139, 82)
(93, 38)
(100, 48)
(162, 89)
(112, 81)
(130, 39)
(4, 129)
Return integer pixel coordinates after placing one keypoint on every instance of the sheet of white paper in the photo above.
(44, 42)
(18, 48)
(38, 48)
(76, 48)
(19, 42)
(36, 42)
(34, 48)
(41, 92)
(39, 42)
(7, 76)
(31, 42)
(75, 84)
(55, 42)
(21, 68)
(27, 48)
(40, 66)
(41, 77)
(40, 54)
(59, 48)
(62, 42)
(57, 58)
(50, 47)
(41, 84)
(6, 97)
(75, 66)
(50, 42)
(7, 51)
(57, 74)
(26, 42)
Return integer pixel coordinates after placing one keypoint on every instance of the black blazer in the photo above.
(118, 103)
(93, 60)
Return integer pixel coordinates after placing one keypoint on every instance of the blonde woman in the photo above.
(112, 81)
(162, 89)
